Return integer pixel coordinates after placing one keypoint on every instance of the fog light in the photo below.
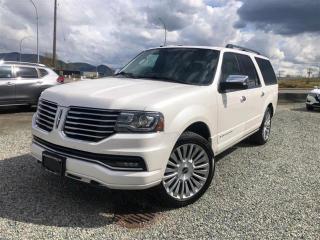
(127, 163)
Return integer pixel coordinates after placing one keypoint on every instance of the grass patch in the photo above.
(299, 83)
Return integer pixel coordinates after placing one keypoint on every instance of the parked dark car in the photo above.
(313, 99)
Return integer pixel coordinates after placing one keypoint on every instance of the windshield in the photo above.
(182, 65)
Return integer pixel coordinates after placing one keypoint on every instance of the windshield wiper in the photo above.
(125, 74)
(163, 78)
(155, 77)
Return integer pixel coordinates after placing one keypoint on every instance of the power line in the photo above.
(280, 73)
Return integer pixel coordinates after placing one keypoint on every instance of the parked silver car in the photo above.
(22, 83)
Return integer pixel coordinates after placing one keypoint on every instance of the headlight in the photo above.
(135, 121)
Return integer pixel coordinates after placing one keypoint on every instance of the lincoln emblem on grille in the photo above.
(59, 118)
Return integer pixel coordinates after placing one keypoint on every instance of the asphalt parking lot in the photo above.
(259, 192)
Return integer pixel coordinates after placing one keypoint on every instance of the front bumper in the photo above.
(154, 149)
(315, 105)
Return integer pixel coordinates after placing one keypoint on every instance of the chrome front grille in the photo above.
(46, 114)
(90, 124)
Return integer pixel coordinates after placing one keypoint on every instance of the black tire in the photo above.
(309, 107)
(189, 141)
(259, 137)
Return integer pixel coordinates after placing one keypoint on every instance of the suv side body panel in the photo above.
(270, 91)
(236, 109)
(255, 102)
(238, 119)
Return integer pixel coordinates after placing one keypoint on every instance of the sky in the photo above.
(112, 32)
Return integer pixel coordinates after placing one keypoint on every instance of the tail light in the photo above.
(60, 79)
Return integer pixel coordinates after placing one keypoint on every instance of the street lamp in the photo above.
(21, 45)
(35, 8)
(165, 32)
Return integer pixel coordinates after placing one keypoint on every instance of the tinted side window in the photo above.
(5, 72)
(43, 72)
(247, 68)
(26, 72)
(230, 66)
(267, 71)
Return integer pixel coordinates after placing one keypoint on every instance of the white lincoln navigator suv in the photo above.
(159, 122)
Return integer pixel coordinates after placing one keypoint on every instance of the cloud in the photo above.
(286, 17)
(212, 26)
(184, 13)
(112, 32)
(291, 54)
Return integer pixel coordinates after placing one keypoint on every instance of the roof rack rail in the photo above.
(171, 45)
(242, 48)
(23, 63)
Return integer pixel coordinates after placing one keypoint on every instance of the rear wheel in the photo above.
(189, 171)
(263, 135)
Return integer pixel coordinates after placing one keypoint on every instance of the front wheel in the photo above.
(309, 107)
(189, 171)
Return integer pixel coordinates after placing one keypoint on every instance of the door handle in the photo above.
(262, 94)
(243, 99)
(39, 82)
(10, 83)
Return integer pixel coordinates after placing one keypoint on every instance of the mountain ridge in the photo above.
(75, 66)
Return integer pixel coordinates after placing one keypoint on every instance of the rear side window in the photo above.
(5, 72)
(43, 72)
(247, 68)
(26, 72)
(230, 66)
(267, 71)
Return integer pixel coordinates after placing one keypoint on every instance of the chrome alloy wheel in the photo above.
(267, 126)
(186, 172)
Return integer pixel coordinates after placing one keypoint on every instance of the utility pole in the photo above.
(279, 73)
(54, 35)
(309, 71)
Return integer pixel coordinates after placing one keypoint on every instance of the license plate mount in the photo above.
(54, 163)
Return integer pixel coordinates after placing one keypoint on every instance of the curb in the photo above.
(292, 97)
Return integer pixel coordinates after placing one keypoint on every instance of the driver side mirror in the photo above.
(235, 82)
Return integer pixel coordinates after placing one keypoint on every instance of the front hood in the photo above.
(116, 93)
